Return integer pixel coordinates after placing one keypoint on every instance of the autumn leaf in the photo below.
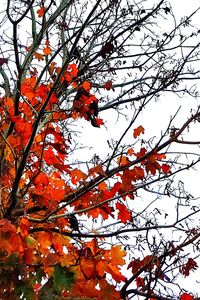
(130, 151)
(191, 265)
(135, 265)
(72, 68)
(108, 85)
(31, 242)
(88, 267)
(106, 49)
(166, 169)
(108, 291)
(41, 179)
(101, 267)
(3, 61)
(140, 282)
(39, 56)
(86, 85)
(24, 227)
(123, 160)
(124, 214)
(117, 254)
(115, 273)
(137, 131)
(97, 170)
(77, 175)
(102, 186)
(98, 122)
(47, 50)
(41, 12)
(186, 296)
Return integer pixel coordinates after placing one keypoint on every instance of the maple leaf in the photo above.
(88, 267)
(27, 87)
(152, 167)
(140, 282)
(102, 186)
(101, 267)
(106, 49)
(186, 296)
(41, 12)
(41, 179)
(47, 50)
(39, 56)
(97, 170)
(130, 151)
(124, 214)
(137, 131)
(117, 255)
(191, 265)
(72, 68)
(123, 160)
(97, 122)
(86, 86)
(166, 169)
(115, 273)
(135, 265)
(108, 291)
(108, 85)
(24, 227)
(77, 175)
(3, 61)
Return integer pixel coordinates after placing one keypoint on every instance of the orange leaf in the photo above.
(41, 12)
(137, 131)
(39, 56)
(117, 255)
(87, 267)
(47, 50)
(77, 175)
(41, 179)
(124, 214)
(97, 170)
(24, 227)
(115, 273)
(101, 267)
(123, 161)
(102, 186)
(130, 151)
(86, 85)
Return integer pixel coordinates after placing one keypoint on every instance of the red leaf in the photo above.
(166, 168)
(137, 131)
(41, 12)
(186, 296)
(191, 265)
(86, 85)
(106, 49)
(3, 61)
(140, 282)
(98, 122)
(108, 85)
(41, 179)
(124, 214)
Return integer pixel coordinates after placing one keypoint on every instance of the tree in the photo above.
(70, 228)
